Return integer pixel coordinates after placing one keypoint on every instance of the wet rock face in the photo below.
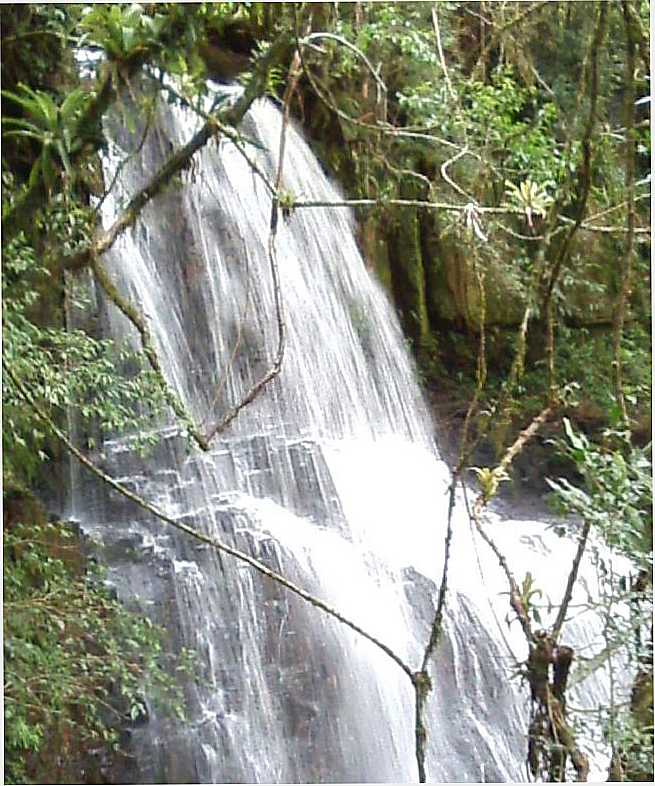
(233, 619)
(279, 692)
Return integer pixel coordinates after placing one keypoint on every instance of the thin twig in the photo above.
(501, 631)
(176, 163)
(452, 207)
(449, 180)
(428, 205)
(381, 87)
(276, 367)
(442, 59)
(618, 321)
(573, 575)
(437, 624)
(226, 131)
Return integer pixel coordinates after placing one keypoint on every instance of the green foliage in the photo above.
(397, 29)
(489, 480)
(53, 126)
(529, 197)
(122, 30)
(583, 358)
(34, 36)
(616, 492)
(76, 663)
(95, 381)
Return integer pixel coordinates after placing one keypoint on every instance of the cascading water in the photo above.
(330, 477)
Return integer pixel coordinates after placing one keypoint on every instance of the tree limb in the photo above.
(180, 159)
(275, 369)
(573, 575)
(216, 544)
(452, 207)
(149, 350)
(481, 502)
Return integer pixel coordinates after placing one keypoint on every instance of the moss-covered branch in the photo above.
(181, 158)
(149, 350)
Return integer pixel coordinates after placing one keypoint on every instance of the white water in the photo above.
(331, 477)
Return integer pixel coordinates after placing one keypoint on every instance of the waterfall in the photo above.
(331, 477)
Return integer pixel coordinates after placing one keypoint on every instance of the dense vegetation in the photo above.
(497, 156)
(77, 664)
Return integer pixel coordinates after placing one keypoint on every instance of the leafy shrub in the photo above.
(77, 664)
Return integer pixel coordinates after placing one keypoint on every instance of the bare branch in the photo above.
(422, 686)
(524, 437)
(460, 208)
(427, 205)
(274, 370)
(481, 502)
(437, 623)
(447, 178)
(573, 575)
(230, 133)
(175, 164)
(381, 87)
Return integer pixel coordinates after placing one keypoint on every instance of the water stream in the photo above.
(331, 477)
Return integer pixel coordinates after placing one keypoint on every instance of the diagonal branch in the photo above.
(573, 575)
(149, 350)
(276, 367)
(480, 504)
(19, 217)
(216, 544)
(175, 164)
(180, 159)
